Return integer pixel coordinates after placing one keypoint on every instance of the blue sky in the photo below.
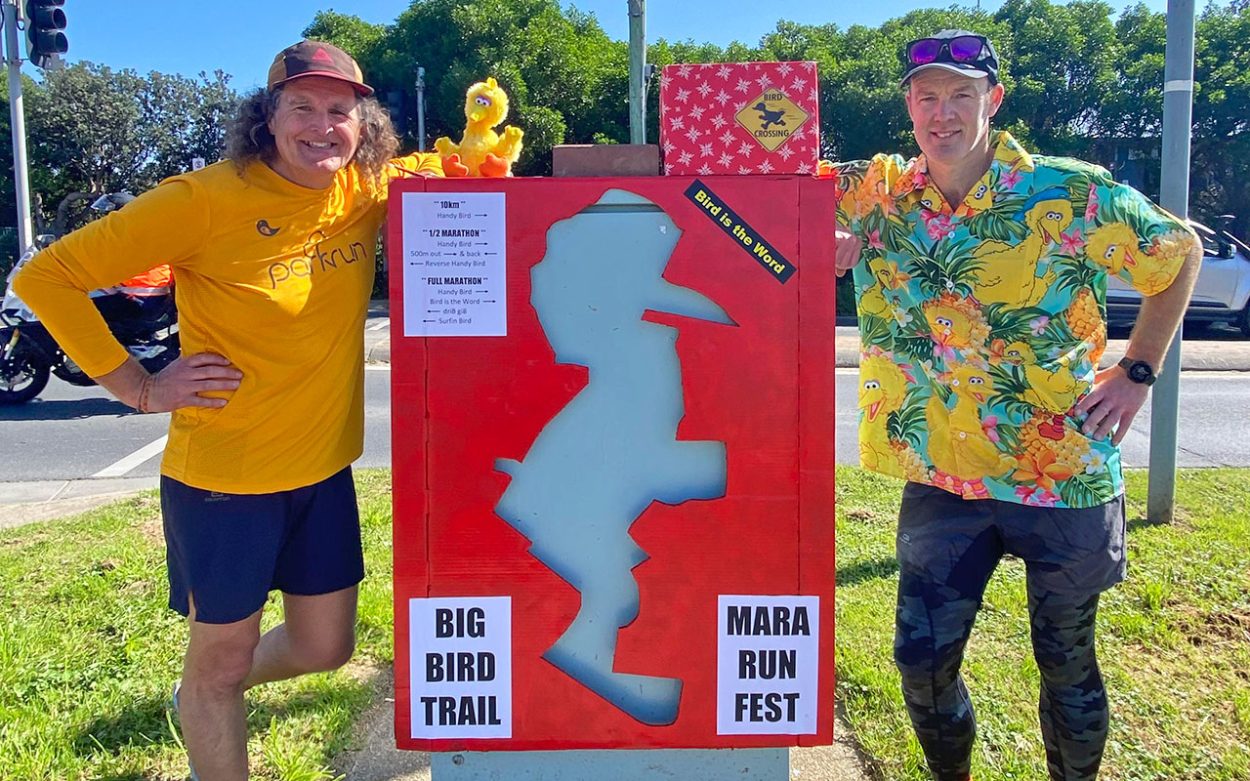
(241, 37)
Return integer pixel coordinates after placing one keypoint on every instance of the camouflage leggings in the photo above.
(940, 589)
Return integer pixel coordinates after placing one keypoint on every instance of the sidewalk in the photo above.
(1196, 355)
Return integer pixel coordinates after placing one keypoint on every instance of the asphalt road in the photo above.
(75, 433)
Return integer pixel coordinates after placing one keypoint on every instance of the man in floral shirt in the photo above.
(980, 278)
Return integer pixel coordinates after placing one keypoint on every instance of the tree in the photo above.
(566, 80)
(90, 128)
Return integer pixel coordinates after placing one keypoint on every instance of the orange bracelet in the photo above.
(146, 388)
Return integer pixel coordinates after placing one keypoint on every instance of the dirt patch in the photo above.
(373, 756)
(1219, 627)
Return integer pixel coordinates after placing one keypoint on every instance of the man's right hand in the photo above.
(181, 383)
(846, 250)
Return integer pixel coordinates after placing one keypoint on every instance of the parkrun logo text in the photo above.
(318, 257)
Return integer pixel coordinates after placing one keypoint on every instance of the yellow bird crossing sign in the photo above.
(771, 118)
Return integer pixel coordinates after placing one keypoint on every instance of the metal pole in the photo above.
(17, 120)
(1178, 90)
(637, 66)
(420, 109)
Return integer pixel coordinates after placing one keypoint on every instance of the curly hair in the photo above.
(248, 137)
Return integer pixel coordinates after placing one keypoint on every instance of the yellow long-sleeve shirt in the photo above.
(272, 275)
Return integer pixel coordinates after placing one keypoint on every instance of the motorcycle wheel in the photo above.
(22, 377)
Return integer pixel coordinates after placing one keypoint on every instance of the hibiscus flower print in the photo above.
(1091, 210)
(1071, 243)
(938, 225)
(1036, 497)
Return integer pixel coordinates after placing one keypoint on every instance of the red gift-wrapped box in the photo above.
(740, 118)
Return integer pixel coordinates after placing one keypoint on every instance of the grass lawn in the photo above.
(88, 649)
(1173, 642)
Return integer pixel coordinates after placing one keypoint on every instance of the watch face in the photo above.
(1139, 372)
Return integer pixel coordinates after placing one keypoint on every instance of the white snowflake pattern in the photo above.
(705, 150)
(723, 97)
(727, 137)
(765, 167)
(684, 71)
(668, 168)
(743, 85)
(723, 72)
(813, 97)
(665, 81)
(719, 122)
(764, 81)
(785, 152)
(743, 170)
(798, 84)
(693, 134)
(705, 89)
(677, 123)
(805, 168)
(683, 95)
(705, 169)
(684, 158)
(668, 147)
(725, 160)
(746, 148)
(784, 69)
(697, 112)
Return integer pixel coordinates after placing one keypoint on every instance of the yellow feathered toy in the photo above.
(481, 152)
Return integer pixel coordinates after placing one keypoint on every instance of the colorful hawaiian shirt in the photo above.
(982, 325)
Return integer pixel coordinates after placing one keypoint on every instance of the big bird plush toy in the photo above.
(481, 152)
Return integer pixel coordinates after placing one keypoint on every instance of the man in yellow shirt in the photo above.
(274, 254)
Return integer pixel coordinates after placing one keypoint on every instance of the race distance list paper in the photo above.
(455, 283)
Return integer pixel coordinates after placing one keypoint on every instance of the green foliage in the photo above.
(90, 128)
(566, 80)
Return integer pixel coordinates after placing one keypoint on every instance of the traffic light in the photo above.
(45, 31)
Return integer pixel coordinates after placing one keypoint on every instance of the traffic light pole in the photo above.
(17, 120)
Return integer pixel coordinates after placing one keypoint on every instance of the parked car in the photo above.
(1222, 294)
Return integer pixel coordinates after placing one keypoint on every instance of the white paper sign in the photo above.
(455, 280)
(768, 665)
(460, 663)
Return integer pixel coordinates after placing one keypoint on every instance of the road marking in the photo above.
(378, 326)
(134, 459)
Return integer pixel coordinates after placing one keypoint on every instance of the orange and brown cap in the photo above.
(317, 58)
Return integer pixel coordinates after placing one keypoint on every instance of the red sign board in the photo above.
(613, 419)
(744, 118)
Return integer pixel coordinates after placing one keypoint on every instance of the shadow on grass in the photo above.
(142, 724)
(1142, 522)
(147, 723)
(871, 569)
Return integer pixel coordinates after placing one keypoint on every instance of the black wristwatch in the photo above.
(1139, 372)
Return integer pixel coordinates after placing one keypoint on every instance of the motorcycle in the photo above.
(146, 326)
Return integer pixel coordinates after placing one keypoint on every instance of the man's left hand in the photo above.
(1112, 404)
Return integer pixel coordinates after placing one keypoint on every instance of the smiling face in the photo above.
(316, 128)
(951, 114)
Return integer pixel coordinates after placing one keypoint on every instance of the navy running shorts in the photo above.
(231, 550)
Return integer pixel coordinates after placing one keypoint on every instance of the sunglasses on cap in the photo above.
(966, 49)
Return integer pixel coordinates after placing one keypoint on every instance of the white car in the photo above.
(1222, 294)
